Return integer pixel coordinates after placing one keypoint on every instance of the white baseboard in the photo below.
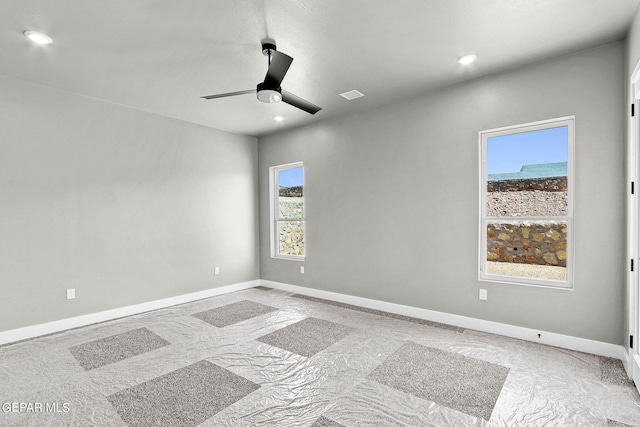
(102, 316)
(625, 361)
(549, 338)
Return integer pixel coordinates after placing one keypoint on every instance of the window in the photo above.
(526, 204)
(287, 211)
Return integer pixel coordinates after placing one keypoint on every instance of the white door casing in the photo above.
(633, 229)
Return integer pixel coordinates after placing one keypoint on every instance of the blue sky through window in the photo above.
(508, 153)
(291, 177)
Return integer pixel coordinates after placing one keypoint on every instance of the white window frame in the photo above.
(274, 214)
(568, 121)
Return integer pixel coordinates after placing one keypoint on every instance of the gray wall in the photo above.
(633, 45)
(123, 205)
(392, 197)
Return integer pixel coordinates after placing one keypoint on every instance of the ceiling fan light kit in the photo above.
(269, 95)
(269, 90)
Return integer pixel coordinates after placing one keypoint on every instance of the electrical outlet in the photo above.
(71, 293)
(302, 269)
(483, 294)
(216, 270)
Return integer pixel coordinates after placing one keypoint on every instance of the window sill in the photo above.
(550, 284)
(289, 257)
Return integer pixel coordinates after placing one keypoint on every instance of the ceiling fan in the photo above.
(269, 90)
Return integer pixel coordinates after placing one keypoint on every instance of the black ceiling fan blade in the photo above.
(224, 95)
(300, 103)
(279, 66)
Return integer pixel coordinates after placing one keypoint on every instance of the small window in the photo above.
(526, 204)
(287, 211)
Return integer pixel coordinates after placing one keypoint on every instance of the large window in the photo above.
(287, 211)
(526, 204)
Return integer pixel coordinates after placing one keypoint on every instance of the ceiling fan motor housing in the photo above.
(267, 47)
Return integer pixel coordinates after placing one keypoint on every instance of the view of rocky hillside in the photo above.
(291, 191)
(527, 203)
(512, 246)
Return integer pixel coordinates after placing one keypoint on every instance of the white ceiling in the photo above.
(162, 55)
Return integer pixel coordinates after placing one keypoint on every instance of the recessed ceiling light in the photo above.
(278, 118)
(38, 38)
(467, 59)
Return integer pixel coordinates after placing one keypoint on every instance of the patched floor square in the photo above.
(94, 354)
(458, 382)
(307, 337)
(185, 397)
(234, 313)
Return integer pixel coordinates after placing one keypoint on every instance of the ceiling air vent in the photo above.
(352, 94)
